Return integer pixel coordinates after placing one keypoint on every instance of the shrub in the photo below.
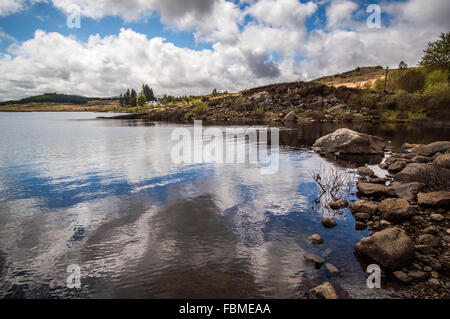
(411, 80)
(141, 100)
(434, 79)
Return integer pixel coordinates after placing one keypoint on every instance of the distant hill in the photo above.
(54, 98)
(354, 78)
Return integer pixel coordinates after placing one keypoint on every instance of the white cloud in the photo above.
(339, 13)
(280, 13)
(272, 46)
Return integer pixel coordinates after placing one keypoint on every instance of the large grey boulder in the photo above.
(345, 142)
(390, 248)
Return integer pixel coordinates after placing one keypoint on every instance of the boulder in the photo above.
(360, 226)
(443, 161)
(431, 149)
(364, 206)
(428, 240)
(365, 171)
(375, 190)
(325, 291)
(390, 248)
(341, 203)
(346, 141)
(328, 222)
(361, 217)
(434, 199)
(408, 191)
(397, 167)
(395, 209)
(411, 173)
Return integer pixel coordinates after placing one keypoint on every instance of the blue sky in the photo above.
(192, 46)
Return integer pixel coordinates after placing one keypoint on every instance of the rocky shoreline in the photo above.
(406, 211)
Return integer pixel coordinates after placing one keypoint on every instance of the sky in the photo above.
(184, 47)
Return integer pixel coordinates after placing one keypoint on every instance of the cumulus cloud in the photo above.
(252, 43)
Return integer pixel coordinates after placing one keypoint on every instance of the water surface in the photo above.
(106, 196)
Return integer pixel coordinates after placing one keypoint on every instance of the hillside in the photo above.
(356, 78)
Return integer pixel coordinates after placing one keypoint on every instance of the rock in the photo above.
(362, 217)
(290, 117)
(437, 217)
(332, 268)
(316, 239)
(365, 171)
(383, 166)
(390, 248)
(432, 230)
(315, 260)
(408, 191)
(403, 277)
(397, 167)
(375, 190)
(411, 173)
(385, 223)
(364, 206)
(434, 282)
(431, 149)
(429, 240)
(443, 161)
(360, 226)
(328, 222)
(395, 209)
(435, 199)
(341, 203)
(325, 291)
(425, 249)
(417, 274)
(347, 141)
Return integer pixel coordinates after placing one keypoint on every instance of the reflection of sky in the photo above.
(106, 194)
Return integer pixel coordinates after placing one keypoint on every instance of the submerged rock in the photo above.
(345, 141)
(315, 260)
(332, 268)
(328, 222)
(390, 248)
(316, 239)
(339, 204)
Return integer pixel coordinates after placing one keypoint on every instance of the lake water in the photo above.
(105, 195)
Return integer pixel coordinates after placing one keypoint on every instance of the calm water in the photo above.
(105, 195)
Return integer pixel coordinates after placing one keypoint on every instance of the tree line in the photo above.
(131, 99)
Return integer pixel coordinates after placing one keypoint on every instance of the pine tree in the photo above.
(148, 92)
(133, 98)
(128, 98)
